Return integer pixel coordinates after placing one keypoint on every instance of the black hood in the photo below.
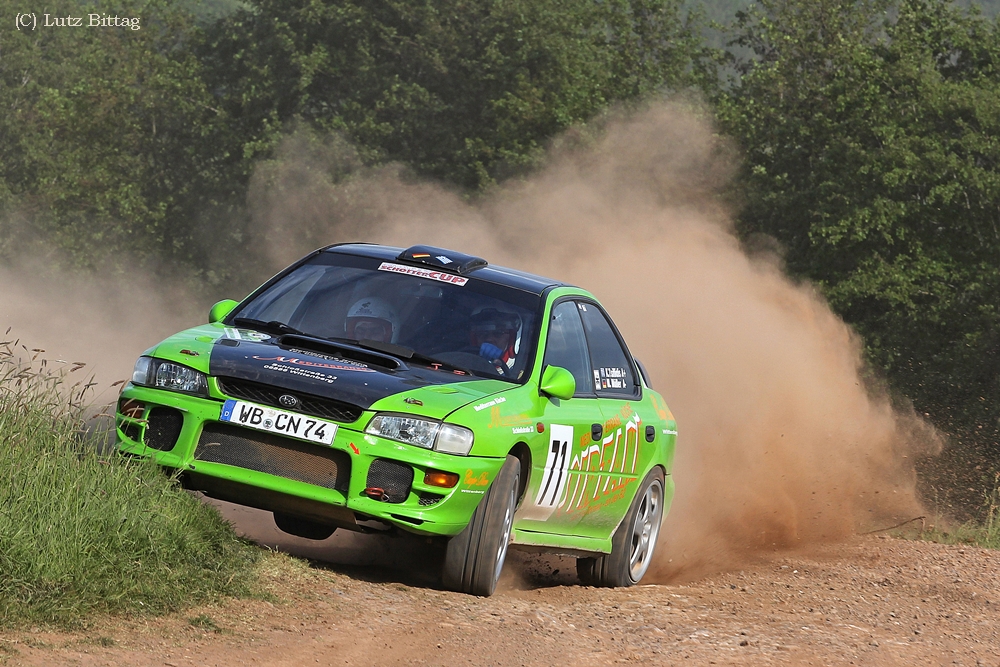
(327, 373)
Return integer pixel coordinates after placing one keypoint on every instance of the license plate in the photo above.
(263, 418)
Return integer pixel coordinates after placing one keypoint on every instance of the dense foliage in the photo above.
(101, 133)
(868, 129)
(872, 156)
(462, 91)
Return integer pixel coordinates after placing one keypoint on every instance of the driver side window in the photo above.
(567, 346)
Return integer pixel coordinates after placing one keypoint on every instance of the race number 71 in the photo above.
(556, 466)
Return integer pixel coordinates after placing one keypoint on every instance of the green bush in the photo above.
(84, 532)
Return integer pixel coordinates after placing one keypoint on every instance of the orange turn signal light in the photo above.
(445, 480)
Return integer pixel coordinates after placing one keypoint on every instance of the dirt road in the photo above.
(872, 601)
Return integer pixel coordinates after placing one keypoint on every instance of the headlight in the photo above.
(410, 430)
(424, 433)
(140, 374)
(149, 372)
(453, 439)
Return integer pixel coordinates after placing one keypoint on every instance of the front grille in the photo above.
(316, 406)
(427, 499)
(275, 455)
(163, 427)
(393, 478)
(131, 430)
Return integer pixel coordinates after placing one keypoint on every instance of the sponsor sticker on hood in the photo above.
(246, 334)
(339, 365)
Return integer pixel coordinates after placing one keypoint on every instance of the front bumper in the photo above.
(288, 475)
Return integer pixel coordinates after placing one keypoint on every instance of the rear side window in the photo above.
(614, 374)
(567, 346)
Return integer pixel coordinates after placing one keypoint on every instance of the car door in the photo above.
(622, 455)
(556, 461)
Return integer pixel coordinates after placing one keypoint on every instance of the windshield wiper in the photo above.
(273, 326)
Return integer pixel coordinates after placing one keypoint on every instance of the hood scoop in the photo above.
(325, 369)
(320, 347)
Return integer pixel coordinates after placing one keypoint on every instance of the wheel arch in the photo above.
(523, 454)
(663, 473)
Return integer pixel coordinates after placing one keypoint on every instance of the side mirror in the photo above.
(557, 382)
(221, 309)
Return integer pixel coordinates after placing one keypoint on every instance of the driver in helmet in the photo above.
(494, 336)
(372, 319)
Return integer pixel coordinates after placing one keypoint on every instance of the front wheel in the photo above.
(475, 556)
(633, 543)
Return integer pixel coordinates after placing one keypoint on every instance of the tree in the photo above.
(870, 129)
(463, 90)
(102, 134)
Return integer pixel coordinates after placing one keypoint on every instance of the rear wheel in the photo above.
(311, 530)
(475, 556)
(633, 543)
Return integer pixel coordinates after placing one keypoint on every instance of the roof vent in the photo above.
(446, 260)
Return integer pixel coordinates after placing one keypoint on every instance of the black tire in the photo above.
(634, 542)
(474, 557)
(310, 530)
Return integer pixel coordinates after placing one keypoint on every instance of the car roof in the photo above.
(500, 275)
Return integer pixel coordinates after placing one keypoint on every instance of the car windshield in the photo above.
(475, 325)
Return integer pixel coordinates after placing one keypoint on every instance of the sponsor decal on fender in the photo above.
(490, 404)
(472, 480)
(440, 276)
(502, 421)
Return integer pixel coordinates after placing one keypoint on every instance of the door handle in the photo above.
(650, 433)
(596, 431)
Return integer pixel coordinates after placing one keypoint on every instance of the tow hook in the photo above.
(376, 493)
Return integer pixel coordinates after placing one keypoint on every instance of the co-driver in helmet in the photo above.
(494, 335)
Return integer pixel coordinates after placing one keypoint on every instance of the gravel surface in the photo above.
(870, 601)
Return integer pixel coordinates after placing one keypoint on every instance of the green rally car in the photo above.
(373, 388)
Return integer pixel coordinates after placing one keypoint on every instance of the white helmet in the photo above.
(373, 319)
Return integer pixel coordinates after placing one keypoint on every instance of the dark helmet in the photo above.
(492, 322)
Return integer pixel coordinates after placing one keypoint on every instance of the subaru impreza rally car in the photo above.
(372, 388)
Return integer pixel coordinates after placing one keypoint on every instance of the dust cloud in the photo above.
(92, 328)
(782, 445)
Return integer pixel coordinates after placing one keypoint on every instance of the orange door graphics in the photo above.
(603, 476)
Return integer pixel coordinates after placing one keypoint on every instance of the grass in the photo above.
(83, 532)
(986, 536)
(981, 533)
(205, 622)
